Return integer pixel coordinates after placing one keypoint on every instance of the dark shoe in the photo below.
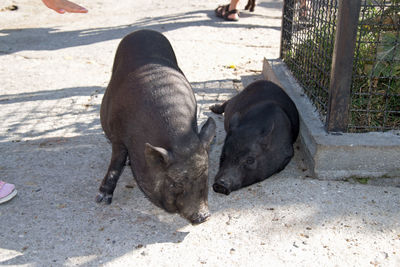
(223, 12)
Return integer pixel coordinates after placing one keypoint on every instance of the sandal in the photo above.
(7, 192)
(223, 12)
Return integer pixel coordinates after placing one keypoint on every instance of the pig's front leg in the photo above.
(117, 163)
(219, 108)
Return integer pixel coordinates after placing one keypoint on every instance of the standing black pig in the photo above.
(149, 114)
(262, 123)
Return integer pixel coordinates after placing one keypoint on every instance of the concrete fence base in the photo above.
(338, 156)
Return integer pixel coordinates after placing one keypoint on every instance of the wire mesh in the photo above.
(308, 37)
(375, 104)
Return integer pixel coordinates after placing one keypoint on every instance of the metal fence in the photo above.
(346, 55)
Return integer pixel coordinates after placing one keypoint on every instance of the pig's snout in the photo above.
(221, 187)
(200, 217)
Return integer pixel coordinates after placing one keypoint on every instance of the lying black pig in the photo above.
(262, 123)
(149, 115)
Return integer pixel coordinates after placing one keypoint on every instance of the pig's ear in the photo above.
(207, 132)
(266, 136)
(157, 155)
(234, 121)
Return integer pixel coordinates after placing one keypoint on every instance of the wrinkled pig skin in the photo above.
(262, 123)
(149, 115)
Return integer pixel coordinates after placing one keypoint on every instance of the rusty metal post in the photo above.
(342, 65)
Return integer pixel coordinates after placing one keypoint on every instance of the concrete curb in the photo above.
(338, 156)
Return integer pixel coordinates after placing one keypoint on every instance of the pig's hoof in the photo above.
(107, 198)
(217, 108)
(200, 218)
(220, 188)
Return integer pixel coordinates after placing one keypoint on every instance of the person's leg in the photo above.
(303, 9)
(233, 6)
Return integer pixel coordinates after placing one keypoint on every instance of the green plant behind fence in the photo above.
(376, 77)
(375, 90)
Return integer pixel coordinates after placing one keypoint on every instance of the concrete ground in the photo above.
(53, 72)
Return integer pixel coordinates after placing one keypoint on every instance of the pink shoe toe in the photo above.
(7, 192)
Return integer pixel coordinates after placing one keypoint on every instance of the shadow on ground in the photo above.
(58, 177)
(16, 40)
(40, 113)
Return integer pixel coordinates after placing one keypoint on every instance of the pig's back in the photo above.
(154, 104)
(143, 46)
(263, 91)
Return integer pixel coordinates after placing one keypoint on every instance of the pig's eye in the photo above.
(177, 185)
(250, 160)
(250, 163)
